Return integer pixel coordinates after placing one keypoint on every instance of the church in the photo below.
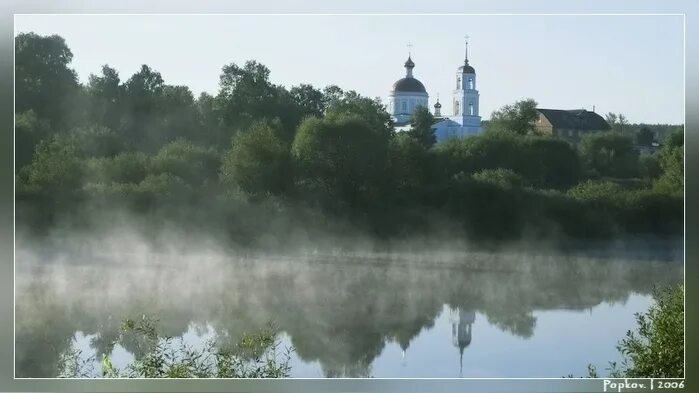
(409, 93)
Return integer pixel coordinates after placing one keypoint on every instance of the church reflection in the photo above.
(461, 328)
(342, 322)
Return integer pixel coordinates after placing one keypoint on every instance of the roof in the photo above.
(409, 63)
(409, 85)
(574, 119)
(466, 68)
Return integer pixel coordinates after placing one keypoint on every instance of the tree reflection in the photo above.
(335, 312)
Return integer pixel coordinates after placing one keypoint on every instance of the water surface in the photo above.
(436, 314)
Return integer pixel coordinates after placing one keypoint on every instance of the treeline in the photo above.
(259, 161)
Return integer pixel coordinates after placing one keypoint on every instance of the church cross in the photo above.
(410, 45)
(466, 50)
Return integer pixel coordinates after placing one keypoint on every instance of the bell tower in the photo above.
(465, 100)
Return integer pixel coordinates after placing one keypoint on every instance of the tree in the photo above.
(106, 95)
(55, 172)
(549, 163)
(245, 94)
(178, 116)
(209, 120)
(609, 154)
(43, 81)
(142, 93)
(644, 137)
(343, 155)
(656, 348)
(421, 127)
(408, 164)
(503, 178)
(371, 111)
(259, 161)
(29, 130)
(671, 158)
(518, 118)
(182, 158)
(617, 121)
(309, 99)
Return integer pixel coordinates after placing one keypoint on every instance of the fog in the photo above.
(339, 305)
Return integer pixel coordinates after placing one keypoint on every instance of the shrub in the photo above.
(254, 356)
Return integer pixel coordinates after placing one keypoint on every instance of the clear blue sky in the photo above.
(626, 64)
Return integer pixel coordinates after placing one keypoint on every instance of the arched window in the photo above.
(470, 83)
(470, 108)
(456, 107)
(458, 82)
(404, 107)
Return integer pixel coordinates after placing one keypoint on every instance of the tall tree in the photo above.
(421, 127)
(258, 161)
(142, 94)
(644, 137)
(309, 99)
(343, 155)
(106, 94)
(518, 118)
(43, 81)
(609, 154)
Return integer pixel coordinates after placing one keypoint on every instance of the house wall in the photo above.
(543, 126)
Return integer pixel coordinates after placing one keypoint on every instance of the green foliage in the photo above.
(351, 104)
(408, 163)
(256, 355)
(259, 161)
(43, 81)
(194, 164)
(342, 155)
(309, 99)
(649, 167)
(503, 178)
(645, 137)
(656, 348)
(672, 163)
(29, 130)
(126, 167)
(592, 190)
(518, 118)
(421, 127)
(151, 147)
(106, 98)
(543, 162)
(609, 154)
(56, 169)
(618, 122)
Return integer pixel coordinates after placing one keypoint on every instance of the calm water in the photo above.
(380, 315)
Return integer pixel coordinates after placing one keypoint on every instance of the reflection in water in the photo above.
(461, 322)
(340, 312)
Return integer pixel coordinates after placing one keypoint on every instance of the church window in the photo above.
(458, 82)
(470, 108)
(405, 106)
(456, 107)
(470, 83)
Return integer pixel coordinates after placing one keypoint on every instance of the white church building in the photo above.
(409, 93)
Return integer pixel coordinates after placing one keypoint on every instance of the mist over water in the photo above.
(345, 312)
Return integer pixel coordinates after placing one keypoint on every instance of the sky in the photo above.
(632, 64)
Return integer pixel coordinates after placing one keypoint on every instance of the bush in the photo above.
(504, 178)
(194, 164)
(609, 154)
(656, 348)
(259, 161)
(254, 356)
